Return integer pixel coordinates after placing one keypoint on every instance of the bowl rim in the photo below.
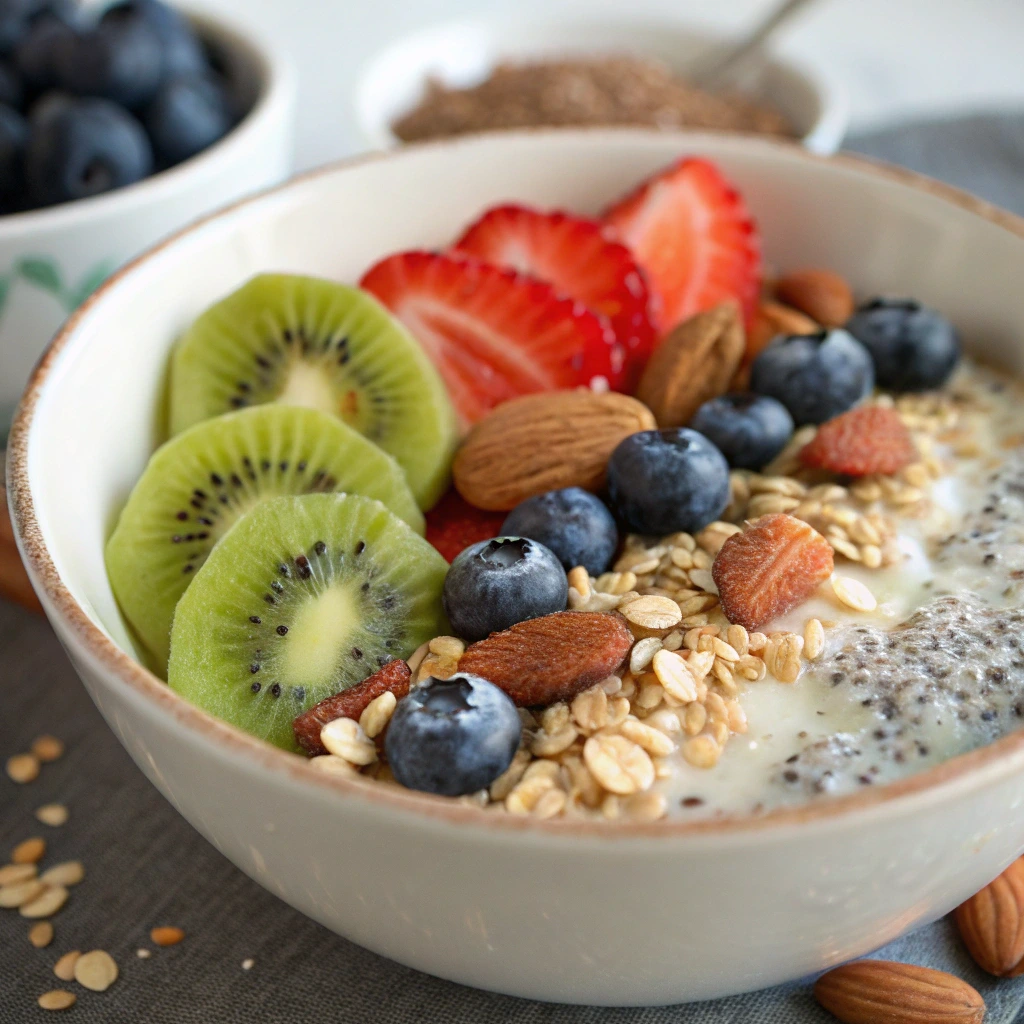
(823, 135)
(276, 82)
(111, 662)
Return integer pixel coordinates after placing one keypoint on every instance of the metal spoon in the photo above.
(715, 70)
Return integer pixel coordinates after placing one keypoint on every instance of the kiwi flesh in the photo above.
(304, 597)
(202, 481)
(316, 343)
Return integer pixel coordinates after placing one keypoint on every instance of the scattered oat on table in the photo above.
(247, 964)
(47, 748)
(46, 904)
(167, 935)
(30, 851)
(53, 815)
(41, 934)
(57, 999)
(64, 968)
(69, 872)
(23, 768)
(96, 970)
(143, 954)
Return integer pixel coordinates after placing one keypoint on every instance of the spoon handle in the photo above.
(718, 68)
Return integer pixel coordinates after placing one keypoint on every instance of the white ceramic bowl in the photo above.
(51, 259)
(462, 53)
(588, 913)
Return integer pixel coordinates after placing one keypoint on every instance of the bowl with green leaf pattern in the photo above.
(52, 259)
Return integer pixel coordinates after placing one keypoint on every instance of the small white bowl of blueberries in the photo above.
(118, 125)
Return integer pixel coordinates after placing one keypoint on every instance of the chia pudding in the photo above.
(937, 669)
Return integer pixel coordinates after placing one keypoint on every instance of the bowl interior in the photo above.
(462, 54)
(92, 414)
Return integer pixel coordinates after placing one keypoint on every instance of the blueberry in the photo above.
(13, 136)
(815, 376)
(914, 348)
(452, 736)
(496, 583)
(15, 18)
(664, 481)
(118, 61)
(11, 92)
(42, 50)
(573, 523)
(82, 147)
(182, 52)
(749, 430)
(187, 116)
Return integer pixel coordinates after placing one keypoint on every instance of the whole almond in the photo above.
(555, 657)
(873, 991)
(773, 319)
(822, 294)
(991, 923)
(544, 442)
(694, 363)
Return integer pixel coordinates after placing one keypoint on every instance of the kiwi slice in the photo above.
(310, 342)
(304, 597)
(200, 482)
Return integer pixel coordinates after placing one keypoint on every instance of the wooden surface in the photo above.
(14, 583)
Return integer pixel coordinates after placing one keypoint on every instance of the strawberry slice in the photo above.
(691, 232)
(494, 334)
(453, 524)
(579, 259)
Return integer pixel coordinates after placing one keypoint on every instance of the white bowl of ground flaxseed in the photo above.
(490, 74)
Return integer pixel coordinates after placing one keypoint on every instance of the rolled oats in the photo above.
(618, 764)
(527, 793)
(702, 751)
(507, 781)
(651, 693)
(548, 744)
(814, 639)
(590, 709)
(649, 806)
(22, 768)
(675, 676)
(46, 904)
(377, 714)
(653, 612)
(853, 594)
(642, 653)
(695, 718)
(345, 738)
(655, 742)
(69, 872)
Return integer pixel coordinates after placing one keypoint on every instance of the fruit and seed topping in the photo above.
(697, 543)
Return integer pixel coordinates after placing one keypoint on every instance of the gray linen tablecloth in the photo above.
(145, 866)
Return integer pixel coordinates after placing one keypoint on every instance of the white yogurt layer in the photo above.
(881, 703)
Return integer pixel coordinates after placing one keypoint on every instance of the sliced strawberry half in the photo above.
(453, 524)
(494, 334)
(691, 232)
(578, 257)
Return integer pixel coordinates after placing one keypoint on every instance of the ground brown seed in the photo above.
(47, 748)
(57, 999)
(167, 936)
(41, 934)
(30, 851)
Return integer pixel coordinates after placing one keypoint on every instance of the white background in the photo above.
(897, 58)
